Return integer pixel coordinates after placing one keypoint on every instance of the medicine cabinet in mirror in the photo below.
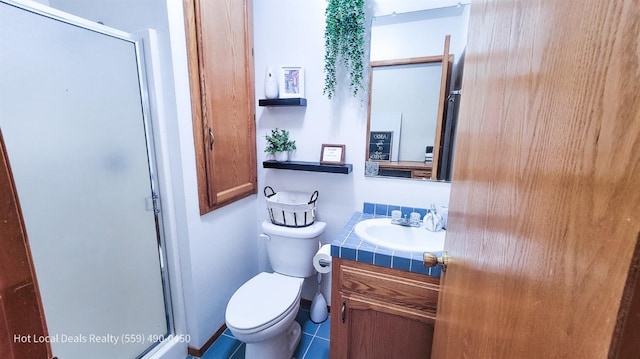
(415, 70)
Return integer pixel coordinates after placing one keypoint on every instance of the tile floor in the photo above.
(314, 343)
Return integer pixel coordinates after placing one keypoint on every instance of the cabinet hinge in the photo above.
(153, 203)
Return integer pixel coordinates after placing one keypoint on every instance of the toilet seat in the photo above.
(262, 301)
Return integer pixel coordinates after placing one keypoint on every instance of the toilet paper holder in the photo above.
(322, 259)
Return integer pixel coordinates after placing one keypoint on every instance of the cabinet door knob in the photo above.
(431, 260)
(343, 311)
(211, 139)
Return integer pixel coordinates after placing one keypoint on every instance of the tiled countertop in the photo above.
(348, 245)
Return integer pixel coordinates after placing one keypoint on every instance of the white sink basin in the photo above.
(380, 232)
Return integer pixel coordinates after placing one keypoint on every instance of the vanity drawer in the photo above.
(421, 174)
(396, 287)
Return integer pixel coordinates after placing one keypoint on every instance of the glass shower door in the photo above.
(73, 116)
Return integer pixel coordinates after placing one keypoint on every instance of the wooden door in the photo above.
(22, 325)
(545, 202)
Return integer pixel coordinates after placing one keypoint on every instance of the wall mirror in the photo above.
(415, 71)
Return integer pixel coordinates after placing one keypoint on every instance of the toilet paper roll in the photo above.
(322, 259)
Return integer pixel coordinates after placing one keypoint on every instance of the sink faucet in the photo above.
(412, 221)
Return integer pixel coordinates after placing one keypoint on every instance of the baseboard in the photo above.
(200, 352)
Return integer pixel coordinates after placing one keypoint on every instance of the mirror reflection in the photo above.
(406, 114)
(413, 92)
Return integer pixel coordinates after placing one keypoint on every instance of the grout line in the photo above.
(238, 348)
(313, 337)
(307, 349)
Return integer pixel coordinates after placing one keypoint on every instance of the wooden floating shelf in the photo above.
(308, 166)
(283, 102)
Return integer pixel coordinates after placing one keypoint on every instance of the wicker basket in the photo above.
(291, 209)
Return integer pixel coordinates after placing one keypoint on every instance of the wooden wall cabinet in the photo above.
(381, 312)
(220, 51)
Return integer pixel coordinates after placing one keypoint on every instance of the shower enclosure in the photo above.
(74, 114)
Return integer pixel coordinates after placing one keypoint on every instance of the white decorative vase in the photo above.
(270, 83)
(282, 156)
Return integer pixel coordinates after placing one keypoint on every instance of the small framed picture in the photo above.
(332, 154)
(291, 84)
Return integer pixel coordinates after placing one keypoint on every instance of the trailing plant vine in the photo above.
(344, 43)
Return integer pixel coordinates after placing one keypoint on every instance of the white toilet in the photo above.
(262, 311)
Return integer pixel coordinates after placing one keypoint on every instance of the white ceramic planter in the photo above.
(282, 156)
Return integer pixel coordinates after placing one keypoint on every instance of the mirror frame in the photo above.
(418, 170)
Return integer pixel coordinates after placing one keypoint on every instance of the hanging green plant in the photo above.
(344, 43)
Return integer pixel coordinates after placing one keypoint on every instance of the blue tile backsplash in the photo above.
(368, 208)
(347, 245)
(385, 209)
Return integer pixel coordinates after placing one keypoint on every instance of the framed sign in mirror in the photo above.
(380, 145)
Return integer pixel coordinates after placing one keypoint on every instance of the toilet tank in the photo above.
(291, 250)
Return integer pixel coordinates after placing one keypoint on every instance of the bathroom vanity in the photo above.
(383, 302)
(381, 312)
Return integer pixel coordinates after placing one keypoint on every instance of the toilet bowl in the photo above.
(264, 317)
(262, 312)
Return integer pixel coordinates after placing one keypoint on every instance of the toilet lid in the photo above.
(262, 299)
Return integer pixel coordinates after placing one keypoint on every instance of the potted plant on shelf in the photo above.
(279, 144)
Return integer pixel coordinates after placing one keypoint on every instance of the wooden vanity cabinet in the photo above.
(220, 48)
(380, 312)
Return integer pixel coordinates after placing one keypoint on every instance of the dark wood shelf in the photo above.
(308, 166)
(283, 102)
